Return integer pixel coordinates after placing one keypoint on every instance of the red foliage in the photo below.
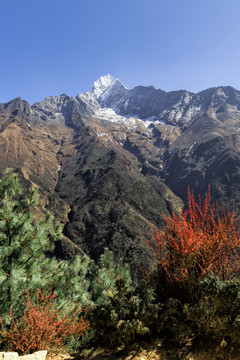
(197, 242)
(43, 324)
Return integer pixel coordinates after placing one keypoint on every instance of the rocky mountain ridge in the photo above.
(109, 161)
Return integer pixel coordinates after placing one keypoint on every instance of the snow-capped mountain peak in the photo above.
(102, 84)
(113, 94)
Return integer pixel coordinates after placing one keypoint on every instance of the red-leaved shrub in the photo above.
(197, 242)
(43, 324)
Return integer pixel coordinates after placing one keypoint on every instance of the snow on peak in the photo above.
(112, 95)
(110, 115)
(102, 84)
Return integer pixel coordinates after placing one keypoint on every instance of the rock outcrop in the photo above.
(38, 355)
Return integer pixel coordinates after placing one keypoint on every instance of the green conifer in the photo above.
(24, 243)
(103, 277)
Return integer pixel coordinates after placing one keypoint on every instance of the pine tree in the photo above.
(24, 243)
(104, 277)
(121, 312)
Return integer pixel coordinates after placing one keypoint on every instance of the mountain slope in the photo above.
(104, 161)
(98, 192)
(111, 202)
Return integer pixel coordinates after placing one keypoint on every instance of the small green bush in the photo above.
(125, 316)
(216, 315)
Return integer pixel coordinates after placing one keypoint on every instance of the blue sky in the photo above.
(50, 47)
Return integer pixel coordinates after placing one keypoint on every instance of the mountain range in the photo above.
(109, 161)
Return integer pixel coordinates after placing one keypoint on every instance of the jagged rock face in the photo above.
(147, 102)
(100, 159)
(53, 108)
(17, 107)
(112, 95)
(207, 153)
(102, 84)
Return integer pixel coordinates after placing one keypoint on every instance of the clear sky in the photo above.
(50, 47)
